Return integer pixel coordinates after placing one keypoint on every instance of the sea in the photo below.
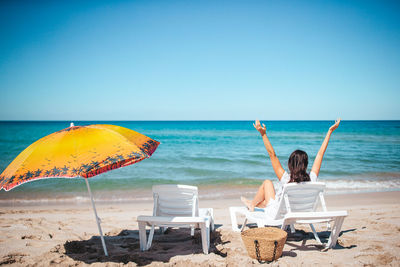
(218, 157)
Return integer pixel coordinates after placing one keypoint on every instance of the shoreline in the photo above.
(334, 200)
(19, 199)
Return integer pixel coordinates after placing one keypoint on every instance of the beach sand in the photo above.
(67, 235)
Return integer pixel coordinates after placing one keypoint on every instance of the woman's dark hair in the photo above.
(298, 162)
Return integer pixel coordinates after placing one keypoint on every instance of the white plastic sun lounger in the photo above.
(176, 206)
(297, 206)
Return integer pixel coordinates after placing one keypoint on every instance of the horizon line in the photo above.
(194, 120)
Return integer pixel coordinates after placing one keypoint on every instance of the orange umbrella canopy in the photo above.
(76, 151)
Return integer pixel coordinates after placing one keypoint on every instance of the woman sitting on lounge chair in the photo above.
(265, 197)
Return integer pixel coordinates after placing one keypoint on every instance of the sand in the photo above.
(67, 235)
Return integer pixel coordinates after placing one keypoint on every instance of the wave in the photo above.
(209, 188)
(116, 188)
(220, 160)
(343, 186)
(347, 176)
(211, 160)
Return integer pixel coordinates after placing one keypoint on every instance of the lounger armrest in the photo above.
(170, 220)
(292, 217)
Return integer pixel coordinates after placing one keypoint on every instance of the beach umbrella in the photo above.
(78, 151)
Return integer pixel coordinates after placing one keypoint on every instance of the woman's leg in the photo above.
(265, 192)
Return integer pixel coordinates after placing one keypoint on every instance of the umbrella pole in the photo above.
(97, 218)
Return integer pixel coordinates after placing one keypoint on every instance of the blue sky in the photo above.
(199, 60)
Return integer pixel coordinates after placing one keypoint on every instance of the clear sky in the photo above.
(207, 60)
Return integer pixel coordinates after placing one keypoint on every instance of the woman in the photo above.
(298, 161)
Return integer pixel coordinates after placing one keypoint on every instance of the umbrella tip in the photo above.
(72, 124)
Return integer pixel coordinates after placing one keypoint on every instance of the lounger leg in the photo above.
(235, 227)
(205, 236)
(208, 224)
(335, 232)
(315, 233)
(142, 236)
(211, 211)
(243, 225)
(192, 231)
(292, 229)
(150, 237)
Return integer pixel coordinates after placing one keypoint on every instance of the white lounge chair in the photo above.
(298, 204)
(176, 206)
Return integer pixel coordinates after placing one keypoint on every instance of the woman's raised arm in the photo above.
(276, 165)
(318, 159)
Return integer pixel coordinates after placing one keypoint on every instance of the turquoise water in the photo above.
(361, 156)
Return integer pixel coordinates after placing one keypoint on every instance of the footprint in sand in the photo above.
(385, 259)
(34, 237)
(12, 258)
(373, 248)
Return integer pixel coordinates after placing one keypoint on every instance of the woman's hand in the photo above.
(334, 127)
(261, 129)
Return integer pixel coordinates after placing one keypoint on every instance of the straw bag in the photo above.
(265, 243)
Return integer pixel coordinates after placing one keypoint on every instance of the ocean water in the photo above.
(362, 156)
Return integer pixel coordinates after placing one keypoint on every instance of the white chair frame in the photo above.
(176, 206)
(297, 205)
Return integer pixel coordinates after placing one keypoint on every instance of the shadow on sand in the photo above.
(301, 235)
(124, 247)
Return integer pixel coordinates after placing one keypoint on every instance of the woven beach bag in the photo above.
(264, 243)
